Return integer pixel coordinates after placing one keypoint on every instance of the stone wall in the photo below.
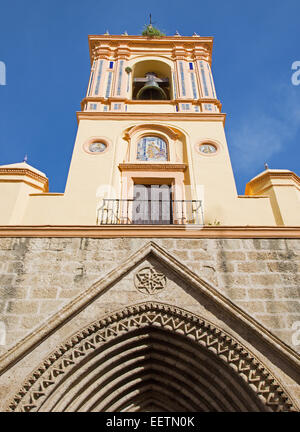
(40, 275)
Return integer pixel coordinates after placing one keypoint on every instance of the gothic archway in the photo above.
(152, 357)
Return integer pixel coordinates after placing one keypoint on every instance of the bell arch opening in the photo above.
(151, 80)
(151, 357)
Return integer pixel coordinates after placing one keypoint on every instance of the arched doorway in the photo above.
(151, 357)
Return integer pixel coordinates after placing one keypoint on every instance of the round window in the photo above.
(97, 147)
(207, 148)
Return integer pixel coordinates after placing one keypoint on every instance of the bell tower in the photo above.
(127, 69)
(151, 128)
(151, 147)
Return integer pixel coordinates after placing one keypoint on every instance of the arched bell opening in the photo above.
(151, 81)
(151, 357)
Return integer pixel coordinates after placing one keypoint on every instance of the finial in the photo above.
(107, 32)
(150, 20)
(266, 166)
(195, 34)
(125, 33)
(177, 33)
(25, 158)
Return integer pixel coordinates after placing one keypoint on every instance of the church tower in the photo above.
(151, 148)
(152, 121)
(149, 284)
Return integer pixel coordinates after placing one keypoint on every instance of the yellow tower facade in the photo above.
(151, 148)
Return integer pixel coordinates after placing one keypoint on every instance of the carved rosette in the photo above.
(150, 281)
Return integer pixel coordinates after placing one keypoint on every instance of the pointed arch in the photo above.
(149, 356)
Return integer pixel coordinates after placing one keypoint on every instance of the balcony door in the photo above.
(152, 204)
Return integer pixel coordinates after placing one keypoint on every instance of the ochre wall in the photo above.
(89, 173)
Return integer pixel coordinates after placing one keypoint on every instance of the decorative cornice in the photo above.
(260, 181)
(122, 53)
(148, 166)
(48, 194)
(253, 196)
(27, 173)
(149, 231)
(164, 40)
(180, 116)
(150, 102)
(186, 46)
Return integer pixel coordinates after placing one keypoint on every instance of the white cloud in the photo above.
(261, 134)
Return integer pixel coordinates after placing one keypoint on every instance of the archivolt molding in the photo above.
(148, 127)
(68, 356)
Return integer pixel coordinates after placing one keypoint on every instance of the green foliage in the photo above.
(152, 31)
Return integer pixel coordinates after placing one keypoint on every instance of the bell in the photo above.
(151, 90)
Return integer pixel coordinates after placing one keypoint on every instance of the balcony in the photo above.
(150, 212)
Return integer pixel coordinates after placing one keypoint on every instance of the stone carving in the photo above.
(149, 281)
(43, 381)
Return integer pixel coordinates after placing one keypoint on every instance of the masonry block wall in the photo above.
(38, 276)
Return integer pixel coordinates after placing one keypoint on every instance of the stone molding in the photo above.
(148, 231)
(69, 355)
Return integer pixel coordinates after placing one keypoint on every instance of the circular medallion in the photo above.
(149, 281)
(207, 148)
(97, 147)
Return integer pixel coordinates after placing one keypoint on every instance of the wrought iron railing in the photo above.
(150, 212)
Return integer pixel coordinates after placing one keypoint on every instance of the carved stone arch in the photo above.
(139, 358)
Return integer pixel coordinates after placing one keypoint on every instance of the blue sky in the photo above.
(45, 48)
